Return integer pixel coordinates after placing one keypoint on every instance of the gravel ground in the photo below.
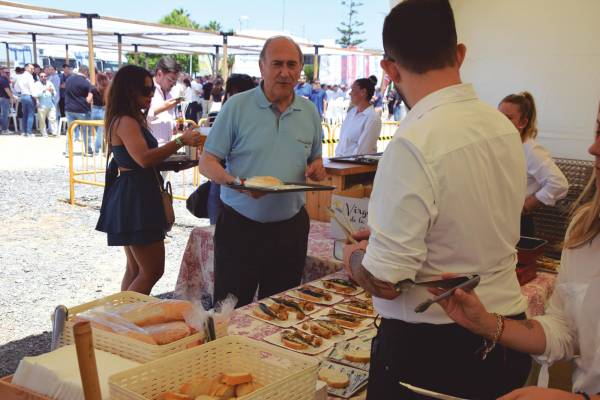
(50, 253)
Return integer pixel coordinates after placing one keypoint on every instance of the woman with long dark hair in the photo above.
(132, 213)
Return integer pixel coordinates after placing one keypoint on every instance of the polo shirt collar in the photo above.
(263, 102)
(450, 94)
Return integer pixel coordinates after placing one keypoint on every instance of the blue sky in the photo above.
(313, 19)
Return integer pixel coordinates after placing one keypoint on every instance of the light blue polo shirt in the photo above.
(254, 141)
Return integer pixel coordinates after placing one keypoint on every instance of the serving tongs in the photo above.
(344, 224)
(407, 284)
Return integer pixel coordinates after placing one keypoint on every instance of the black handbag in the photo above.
(197, 203)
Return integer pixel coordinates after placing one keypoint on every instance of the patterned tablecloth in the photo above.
(196, 278)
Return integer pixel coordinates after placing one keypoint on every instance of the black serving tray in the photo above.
(177, 163)
(365, 159)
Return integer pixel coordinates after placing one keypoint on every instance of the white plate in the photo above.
(320, 285)
(363, 324)
(343, 307)
(311, 351)
(363, 296)
(358, 379)
(317, 306)
(335, 298)
(336, 354)
(291, 321)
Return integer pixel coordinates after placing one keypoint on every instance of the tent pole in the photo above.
(66, 54)
(90, 36)
(34, 42)
(135, 55)
(7, 55)
(120, 48)
(216, 61)
(225, 71)
(316, 62)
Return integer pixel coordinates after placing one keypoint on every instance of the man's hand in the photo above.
(531, 203)
(350, 248)
(537, 393)
(315, 170)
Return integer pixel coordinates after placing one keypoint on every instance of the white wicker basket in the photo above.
(285, 374)
(122, 345)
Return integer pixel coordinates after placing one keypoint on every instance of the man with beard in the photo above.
(447, 198)
(265, 131)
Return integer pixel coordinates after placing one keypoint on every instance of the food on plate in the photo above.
(359, 306)
(154, 312)
(313, 294)
(228, 385)
(368, 295)
(263, 181)
(325, 329)
(298, 340)
(168, 332)
(269, 313)
(340, 285)
(333, 378)
(345, 320)
(300, 307)
(360, 356)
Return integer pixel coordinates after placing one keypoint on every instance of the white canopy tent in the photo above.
(26, 24)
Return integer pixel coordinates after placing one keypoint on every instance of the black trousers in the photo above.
(441, 358)
(250, 254)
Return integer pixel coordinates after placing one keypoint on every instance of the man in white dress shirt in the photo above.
(25, 83)
(447, 198)
(161, 116)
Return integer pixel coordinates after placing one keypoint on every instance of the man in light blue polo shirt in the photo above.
(261, 241)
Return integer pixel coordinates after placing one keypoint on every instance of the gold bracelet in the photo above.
(179, 141)
(488, 346)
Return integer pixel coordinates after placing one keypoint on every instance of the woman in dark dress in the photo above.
(132, 213)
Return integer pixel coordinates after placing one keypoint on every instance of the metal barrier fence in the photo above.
(86, 169)
(331, 136)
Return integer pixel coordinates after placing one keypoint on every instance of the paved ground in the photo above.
(50, 253)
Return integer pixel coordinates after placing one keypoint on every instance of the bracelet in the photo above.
(179, 141)
(488, 346)
(585, 395)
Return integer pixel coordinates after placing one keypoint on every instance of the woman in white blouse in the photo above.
(571, 326)
(361, 128)
(546, 184)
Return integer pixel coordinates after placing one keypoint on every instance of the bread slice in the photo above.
(294, 345)
(168, 332)
(176, 396)
(257, 312)
(263, 181)
(244, 388)
(222, 390)
(334, 379)
(236, 378)
(197, 387)
(360, 356)
(206, 397)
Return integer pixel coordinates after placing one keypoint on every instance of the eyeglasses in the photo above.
(148, 90)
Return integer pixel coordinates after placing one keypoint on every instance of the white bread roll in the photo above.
(334, 379)
(263, 181)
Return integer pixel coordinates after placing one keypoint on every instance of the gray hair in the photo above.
(263, 52)
(83, 69)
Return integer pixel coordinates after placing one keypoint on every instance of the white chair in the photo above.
(13, 115)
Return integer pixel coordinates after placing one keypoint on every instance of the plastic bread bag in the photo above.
(153, 312)
(221, 314)
(106, 320)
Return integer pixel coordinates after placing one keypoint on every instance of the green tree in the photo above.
(349, 28)
(213, 26)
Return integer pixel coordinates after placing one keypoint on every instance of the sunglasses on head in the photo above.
(148, 90)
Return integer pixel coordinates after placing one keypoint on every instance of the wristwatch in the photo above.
(179, 141)
(356, 258)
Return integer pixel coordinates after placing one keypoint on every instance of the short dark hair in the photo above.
(421, 35)
(368, 85)
(168, 64)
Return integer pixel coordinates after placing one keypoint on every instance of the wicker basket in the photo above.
(285, 374)
(122, 345)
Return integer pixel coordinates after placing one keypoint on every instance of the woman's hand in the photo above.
(536, 393)
(466, 309)
(191, 137)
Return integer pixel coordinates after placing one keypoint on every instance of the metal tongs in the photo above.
(344, 223)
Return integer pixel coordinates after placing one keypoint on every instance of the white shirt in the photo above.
(572, 321)
(544, 178)
(359, 133)
(45, 94)
(447, 198)
(25, 84)
(161, 124)
(196, 91)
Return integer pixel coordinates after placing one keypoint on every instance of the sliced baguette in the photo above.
(360, 356)
(294, 345)
(334, 379)
(308, 297)
(257, 312)
(236, 378)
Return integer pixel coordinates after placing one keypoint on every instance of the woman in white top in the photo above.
(571, 326)
(361, 128)
(546, 184)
